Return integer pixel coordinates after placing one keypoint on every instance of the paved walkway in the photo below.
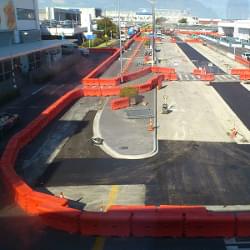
(126, 138)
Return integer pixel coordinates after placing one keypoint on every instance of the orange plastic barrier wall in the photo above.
(120, 103)
(241, 60)
(245, 76)
(239, 71)
(193, 40)
(122, 221)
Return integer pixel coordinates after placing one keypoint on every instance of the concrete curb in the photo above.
(113, 153)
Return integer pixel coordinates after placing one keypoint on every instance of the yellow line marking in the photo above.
(100, 241)
(112, 196)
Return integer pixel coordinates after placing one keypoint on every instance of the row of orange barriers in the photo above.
(203, 75)
(119, 103)
(121, 221)
(194, 40)
(130, 61)
(244, 74)
(241, 60)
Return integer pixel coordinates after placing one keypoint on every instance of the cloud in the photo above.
(58, 1)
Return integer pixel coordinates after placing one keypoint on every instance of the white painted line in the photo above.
(37, 91)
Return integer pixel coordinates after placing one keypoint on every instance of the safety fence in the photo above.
(99, 89)
(244, 74)
(203, 75)
(120, 221)
(119, 103)
(195, 40)
(194, 32)
(130, 60)
(241, 60)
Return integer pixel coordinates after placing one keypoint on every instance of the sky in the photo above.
(212, 8)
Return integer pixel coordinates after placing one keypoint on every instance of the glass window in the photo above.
(25, 14)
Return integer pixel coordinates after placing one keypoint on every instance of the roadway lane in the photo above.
(198, 59)
(182, 172)
(238, 99)
(30, 107)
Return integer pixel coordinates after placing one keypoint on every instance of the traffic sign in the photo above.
(91, 37)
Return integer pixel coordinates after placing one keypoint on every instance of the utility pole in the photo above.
(121, 49)
(153, 2)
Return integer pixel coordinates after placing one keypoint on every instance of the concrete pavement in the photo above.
(126, 138)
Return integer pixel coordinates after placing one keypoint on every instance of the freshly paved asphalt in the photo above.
(28, 108)
(198, 59)
(237, 97)
(182, 172)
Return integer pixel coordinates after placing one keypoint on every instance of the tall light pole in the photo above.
(153, 2)
(121, 49)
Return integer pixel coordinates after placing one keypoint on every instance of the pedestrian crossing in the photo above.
(226, 78)
(187, 77)
(218, 78)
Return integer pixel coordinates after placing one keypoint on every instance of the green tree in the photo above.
(183, 20)
(161, 20)
(107, 26)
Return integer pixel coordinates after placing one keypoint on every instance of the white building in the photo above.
(21, 47)
(133, 17)
(239, 29)
(69, 22)
(61, 22)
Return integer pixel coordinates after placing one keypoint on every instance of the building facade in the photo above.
(21, 48)
(239, 29)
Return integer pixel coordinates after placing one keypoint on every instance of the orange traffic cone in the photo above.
(150, 125)
(234, 133)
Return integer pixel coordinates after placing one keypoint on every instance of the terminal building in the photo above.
(239, 29)
(21, 48)
(144, 16)
(68, 22)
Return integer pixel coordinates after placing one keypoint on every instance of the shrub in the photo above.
(129, 92)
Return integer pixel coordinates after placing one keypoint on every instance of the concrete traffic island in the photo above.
(127, 138)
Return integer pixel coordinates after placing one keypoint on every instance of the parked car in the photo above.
(8, 121)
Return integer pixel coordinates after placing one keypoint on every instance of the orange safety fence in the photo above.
(239, 71)
(119, 103)
(121, 221)
(195, 40)
(241, 60)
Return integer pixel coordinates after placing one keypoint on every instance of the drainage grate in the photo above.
(142, 113)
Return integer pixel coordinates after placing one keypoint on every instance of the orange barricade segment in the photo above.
(105, 224)
(157, 225)
(61, 218)
(210, 225)
(120, 103)
(243, 224)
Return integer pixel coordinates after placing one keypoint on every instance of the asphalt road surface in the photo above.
(198, 59)
(29, 107)
(182, 172)
(237, 97)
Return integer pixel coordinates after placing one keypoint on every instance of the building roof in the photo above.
(15, 50)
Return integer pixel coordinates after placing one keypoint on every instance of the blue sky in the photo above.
(211, 8)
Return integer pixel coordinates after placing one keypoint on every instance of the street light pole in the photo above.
(121, 49)
(153, 2)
